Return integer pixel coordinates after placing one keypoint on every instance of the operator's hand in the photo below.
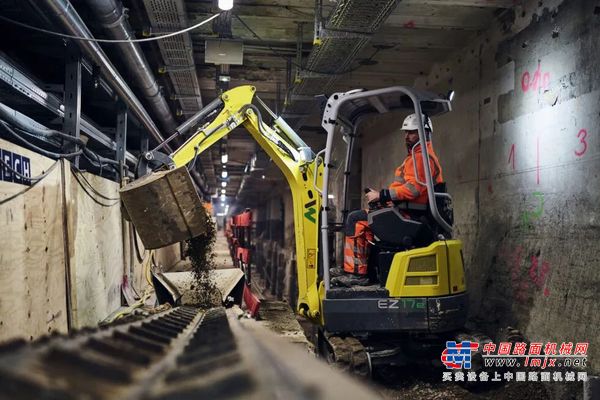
(372, 196)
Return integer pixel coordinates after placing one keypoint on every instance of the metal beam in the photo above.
(121, 140)
(12, 76)
(72, 115)
(144, 147)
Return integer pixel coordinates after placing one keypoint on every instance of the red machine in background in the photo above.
(238, 231)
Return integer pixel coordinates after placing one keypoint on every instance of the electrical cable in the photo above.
(98, 164)
(96, 192)
(131, 308)
(17, 123)
(51, 133)
(91, 196)
(63, 35)
(35, 180)
(20, 175)
(37, 148)
(193, 163)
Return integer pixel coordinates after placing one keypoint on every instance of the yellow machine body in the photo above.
(435, 270)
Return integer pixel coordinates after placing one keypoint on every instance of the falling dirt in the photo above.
(202, 256)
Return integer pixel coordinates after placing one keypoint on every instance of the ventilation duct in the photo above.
(114, 21)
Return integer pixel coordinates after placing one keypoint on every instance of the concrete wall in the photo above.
(521, 153)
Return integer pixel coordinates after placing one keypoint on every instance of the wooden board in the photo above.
(95, 247)
(32, 261)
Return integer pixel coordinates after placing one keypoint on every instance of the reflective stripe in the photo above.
(349, 259)
(356, 260)
(399, 179)
(413, 190)
(393, 195)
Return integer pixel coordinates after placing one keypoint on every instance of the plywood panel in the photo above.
(32, 261)
(95, 247)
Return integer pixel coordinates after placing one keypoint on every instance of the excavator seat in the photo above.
(410, 224)
(404, 226)
(391, 227)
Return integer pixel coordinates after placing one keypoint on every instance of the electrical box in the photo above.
(224, 51)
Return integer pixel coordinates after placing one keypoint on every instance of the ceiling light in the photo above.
(224, 78)
(263, 177)
(224, 174)
(223, 199)
(223, 191)
(224, 158)
(223, 184)
(225, 4)
(222, 204)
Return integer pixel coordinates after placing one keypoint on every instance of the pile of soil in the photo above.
(202, 256)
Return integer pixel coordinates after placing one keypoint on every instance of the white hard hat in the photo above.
(411, 124)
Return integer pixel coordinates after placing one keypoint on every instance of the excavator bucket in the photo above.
(165, 208)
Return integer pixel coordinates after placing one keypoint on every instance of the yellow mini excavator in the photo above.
(419, 297)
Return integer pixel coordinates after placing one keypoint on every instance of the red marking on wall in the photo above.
(490, 189)
(538, 274)
(536, 277)
(535, 81)
(582, 135)
(511, 156)
(410, 24)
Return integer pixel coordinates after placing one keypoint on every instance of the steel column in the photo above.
(144, 144)
(72, 118)
(121, 140)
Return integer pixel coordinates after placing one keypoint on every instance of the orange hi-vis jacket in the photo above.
(405, 186)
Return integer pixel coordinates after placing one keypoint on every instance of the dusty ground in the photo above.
(417, 384)
(414, 383)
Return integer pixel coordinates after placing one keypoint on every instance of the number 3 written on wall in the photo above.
(582, 135)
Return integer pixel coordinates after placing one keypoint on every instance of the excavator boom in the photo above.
(296, 161)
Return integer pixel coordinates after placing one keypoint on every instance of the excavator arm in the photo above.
(296, 161)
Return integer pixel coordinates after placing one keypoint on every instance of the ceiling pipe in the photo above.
(63, 12)
(111, 15)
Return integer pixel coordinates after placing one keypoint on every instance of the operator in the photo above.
(404, 188)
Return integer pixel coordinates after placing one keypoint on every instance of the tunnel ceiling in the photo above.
(389, 47)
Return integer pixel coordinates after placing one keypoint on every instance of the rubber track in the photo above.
(183, 353)
(349, 355)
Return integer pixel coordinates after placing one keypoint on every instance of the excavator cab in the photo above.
(418, 287)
